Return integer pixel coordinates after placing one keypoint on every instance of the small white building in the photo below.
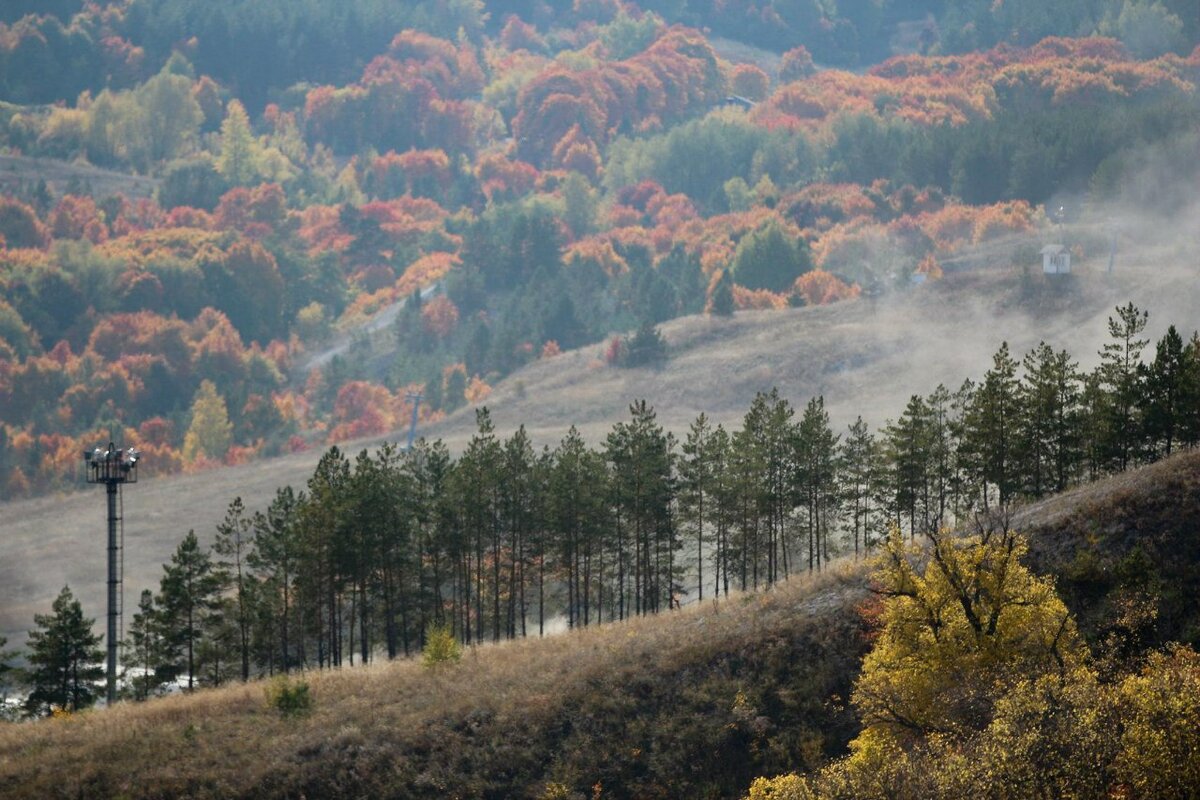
(1056, 260)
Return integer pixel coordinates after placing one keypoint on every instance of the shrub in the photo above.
(441, 647)
(291, 698)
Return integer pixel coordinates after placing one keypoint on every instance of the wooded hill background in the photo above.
(556, 178)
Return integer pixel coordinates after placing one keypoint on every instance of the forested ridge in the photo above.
(537, 174)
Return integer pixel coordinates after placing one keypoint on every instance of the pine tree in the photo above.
(233, 542)
(1120, 375)
(640, 453)
(769, 431)
(477, 489)
(276, 557)
(189, 594)
(211, 432)
(321, 580)
(646, 347)
(696, 478)
(145, 645)
(817, 478)
(722, 296)
(1165, 380)
(65, 660)
(992, 422)
(860, 473)
(1048, 439)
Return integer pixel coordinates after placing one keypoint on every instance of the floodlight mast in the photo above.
(112, 467)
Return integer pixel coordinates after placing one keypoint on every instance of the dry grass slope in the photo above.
(647, 708)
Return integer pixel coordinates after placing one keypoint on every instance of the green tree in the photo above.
(210, 432)
(1049, 437)
(189, 596)
(991, 429)
(908, 446)
(861, 471)
(1147, 28)
(646, 347)
(1121, 378)
(696, 485)
(233, 543)
(722, 296)
(65, 660)
(641, 457)
(146, 647)
(441, 647)
(770, 259)
(1166, 382)
(275, 557)
(817, 477)
(169, 120)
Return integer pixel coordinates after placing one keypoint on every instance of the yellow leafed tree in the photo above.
(211, 432)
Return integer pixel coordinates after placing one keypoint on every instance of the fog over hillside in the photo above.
(865, 357)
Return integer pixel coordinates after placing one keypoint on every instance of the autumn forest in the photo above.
(233, 232)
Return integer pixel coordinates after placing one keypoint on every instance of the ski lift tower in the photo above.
(113, 467)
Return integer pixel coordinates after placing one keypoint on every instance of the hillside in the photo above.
(693, 703)
(865, 358)
(690, 703)
(1126, 553)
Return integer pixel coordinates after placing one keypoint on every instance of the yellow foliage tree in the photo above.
(211, 432)
(972, 621)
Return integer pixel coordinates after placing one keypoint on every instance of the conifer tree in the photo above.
(816, 454)
(1048, 439)
(275, 557)
(909, 446)
(65, 660)
(860, 461)
(722, 296)
(233, 542)
(642, 459)
(992, 421)
(1120, 375)
(724, 509)
(1163, 402)
(477, 490)
(321, 582)
(145, 645)
(696, 480)
(189, 595)
(646, 347)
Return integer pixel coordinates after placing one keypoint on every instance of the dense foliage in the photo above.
(520, 180)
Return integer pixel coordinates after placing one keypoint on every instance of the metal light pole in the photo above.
(112, 467)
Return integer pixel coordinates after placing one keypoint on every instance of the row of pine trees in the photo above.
(507, 540)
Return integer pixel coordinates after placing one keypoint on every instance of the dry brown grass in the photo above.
(398, 729)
